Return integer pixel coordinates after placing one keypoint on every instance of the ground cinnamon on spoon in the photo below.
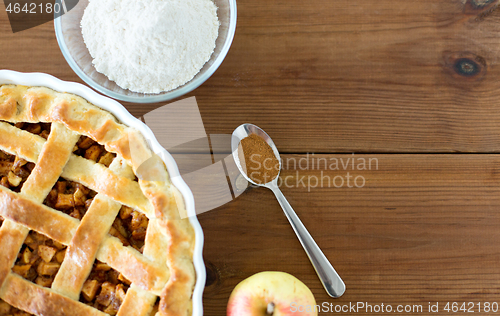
(260, 163)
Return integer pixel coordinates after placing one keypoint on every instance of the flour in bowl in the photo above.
(150, 46)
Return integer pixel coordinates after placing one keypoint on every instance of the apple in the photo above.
(271, 294)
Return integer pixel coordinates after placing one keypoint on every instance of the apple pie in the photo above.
(82, 232)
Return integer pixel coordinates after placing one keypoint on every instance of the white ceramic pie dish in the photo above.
(115, 108)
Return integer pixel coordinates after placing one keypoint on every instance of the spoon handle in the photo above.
(332, 282)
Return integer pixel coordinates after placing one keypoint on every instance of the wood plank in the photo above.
(423, 229)
(341, 76)
(338, 76)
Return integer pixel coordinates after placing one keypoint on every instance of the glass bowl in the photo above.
(70, 39)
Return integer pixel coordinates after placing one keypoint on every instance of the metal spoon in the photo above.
(332, 282)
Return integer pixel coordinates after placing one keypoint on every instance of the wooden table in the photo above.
(413, 84)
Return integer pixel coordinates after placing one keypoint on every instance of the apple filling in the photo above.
(7, 310)
(88, 148)
(105, 288)
(14, 171)
(39, 259)
(130, 227)
(70, 198)
(40, 129)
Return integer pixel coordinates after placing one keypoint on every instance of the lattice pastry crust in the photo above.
(165, 268)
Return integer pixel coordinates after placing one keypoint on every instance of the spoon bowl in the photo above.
(330, 279)
(243, 131)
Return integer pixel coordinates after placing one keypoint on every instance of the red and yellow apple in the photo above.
(271, 294)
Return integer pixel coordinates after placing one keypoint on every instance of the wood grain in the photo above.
(365, 76)
(338, 76)
(423, 229)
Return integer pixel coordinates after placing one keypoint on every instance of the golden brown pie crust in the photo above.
(164, 269)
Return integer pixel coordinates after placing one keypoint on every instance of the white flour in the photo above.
(150, 46)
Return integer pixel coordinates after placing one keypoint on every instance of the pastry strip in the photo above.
(20, 143)
(53, 156)
(137, 302)
(12, 236)
(135, 267)
(93, 175)
(81, 252)
(179, 267)
(38, 300)
(36, 216)
(98, 178)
